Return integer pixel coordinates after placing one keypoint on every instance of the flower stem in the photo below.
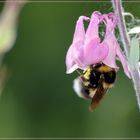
(117, 4)
(134, 69)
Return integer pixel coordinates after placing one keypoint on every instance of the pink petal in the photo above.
(114, 49)
(70, 64)
(79, 33)
(123, 61)
(75, 50)
(110, 39)
(110, 60)
(92, 30)
(95, 52)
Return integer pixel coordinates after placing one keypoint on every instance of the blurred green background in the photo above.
(38, 100)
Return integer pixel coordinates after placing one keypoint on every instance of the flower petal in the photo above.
(111, 40)
(123, 61)
(114, 49)
(79, 33)
(110, 60)
(94, 52)
(92, 30)
(70, 64)
(75, 50)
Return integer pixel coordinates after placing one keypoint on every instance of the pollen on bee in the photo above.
(87, 73)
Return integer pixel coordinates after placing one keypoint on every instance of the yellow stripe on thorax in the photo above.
(105, 69)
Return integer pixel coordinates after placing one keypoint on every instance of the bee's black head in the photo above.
(94, 77)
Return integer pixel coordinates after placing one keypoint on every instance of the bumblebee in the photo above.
(94, 83)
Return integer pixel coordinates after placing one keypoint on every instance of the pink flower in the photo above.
(88, 49)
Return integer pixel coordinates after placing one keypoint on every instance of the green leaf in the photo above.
(134, 51)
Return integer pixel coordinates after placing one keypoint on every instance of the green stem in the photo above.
(134, 69)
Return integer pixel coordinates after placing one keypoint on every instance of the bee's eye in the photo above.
(110, 77)
(94, 78)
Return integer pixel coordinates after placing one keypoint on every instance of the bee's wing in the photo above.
(80, 89)
(100, 92)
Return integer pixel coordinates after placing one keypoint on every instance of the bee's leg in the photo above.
(100, 92)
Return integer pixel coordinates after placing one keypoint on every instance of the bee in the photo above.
(94, 83)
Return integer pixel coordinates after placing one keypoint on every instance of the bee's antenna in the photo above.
(79, 72)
